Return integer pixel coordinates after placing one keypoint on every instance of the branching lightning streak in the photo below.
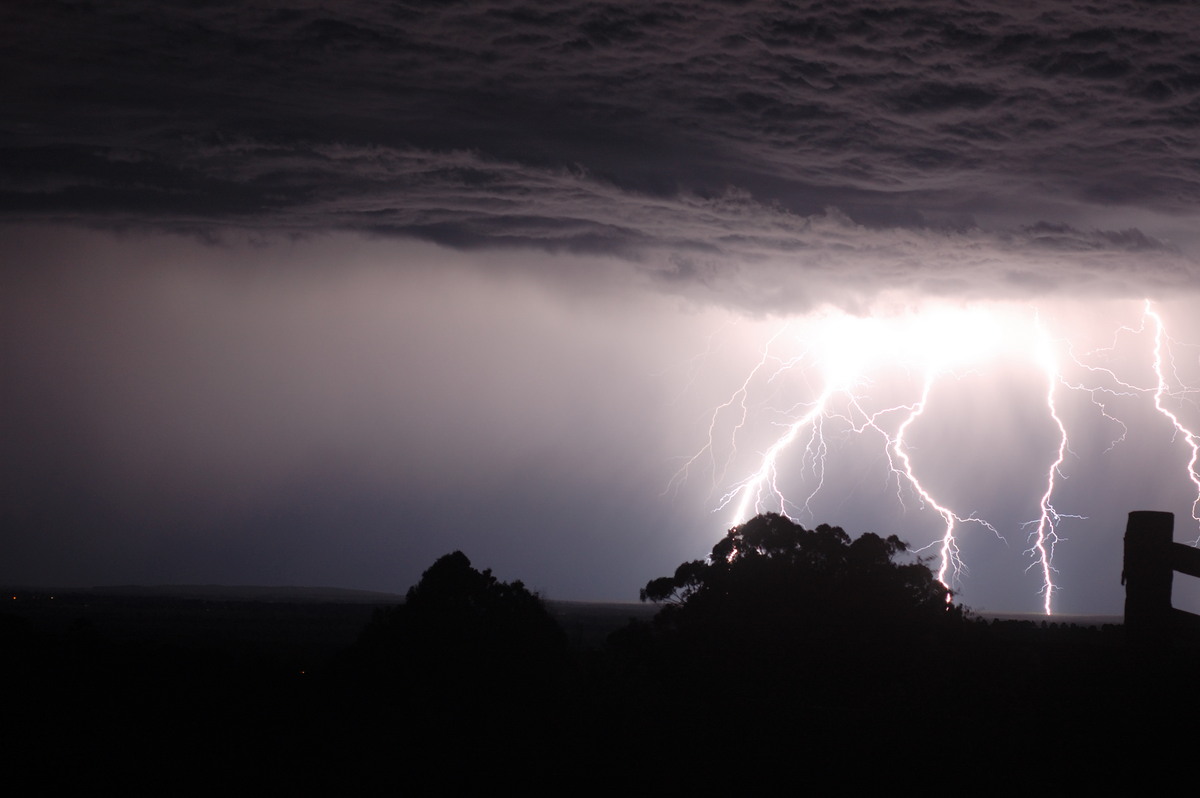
(1160, 355)
(951, 561)
(1045, 534)
(751, 489)
(1160, 389)
(843, 350)
(1127, 389)
(761, 490)
(739, 397)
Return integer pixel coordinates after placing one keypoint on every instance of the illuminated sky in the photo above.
(305, 295)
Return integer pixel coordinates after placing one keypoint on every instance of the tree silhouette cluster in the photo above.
(772, 568)
(793, 606)
(460, 627)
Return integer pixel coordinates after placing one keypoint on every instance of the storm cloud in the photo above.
(760, 153)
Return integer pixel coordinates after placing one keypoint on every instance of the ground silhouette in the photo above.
(789, 655)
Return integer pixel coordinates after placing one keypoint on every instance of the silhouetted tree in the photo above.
(781, 622)
(772, 575)
(460, 626)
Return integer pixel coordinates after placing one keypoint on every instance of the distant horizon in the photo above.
(249, 592)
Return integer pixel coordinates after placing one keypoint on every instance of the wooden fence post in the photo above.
(1148, 575)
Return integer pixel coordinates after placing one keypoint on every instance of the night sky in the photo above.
(312, 295)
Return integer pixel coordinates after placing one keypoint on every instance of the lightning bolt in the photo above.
(1162, 361)
(844, 349)
(951, 563)
(1045, 535)
(766, 477)
(844, 369)
(1162, 388)
(738, 398)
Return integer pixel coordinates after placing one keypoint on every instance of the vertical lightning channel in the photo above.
(1045, 533)
(1161, 388)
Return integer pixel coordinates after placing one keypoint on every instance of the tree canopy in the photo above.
(771, 569)
(460, 623)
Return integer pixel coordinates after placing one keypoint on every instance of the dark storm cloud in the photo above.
(720, 145)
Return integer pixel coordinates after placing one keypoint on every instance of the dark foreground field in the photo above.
(200, 691)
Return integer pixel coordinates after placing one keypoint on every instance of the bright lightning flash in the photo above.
(840, 362)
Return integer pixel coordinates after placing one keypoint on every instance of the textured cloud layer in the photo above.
(765, 154)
